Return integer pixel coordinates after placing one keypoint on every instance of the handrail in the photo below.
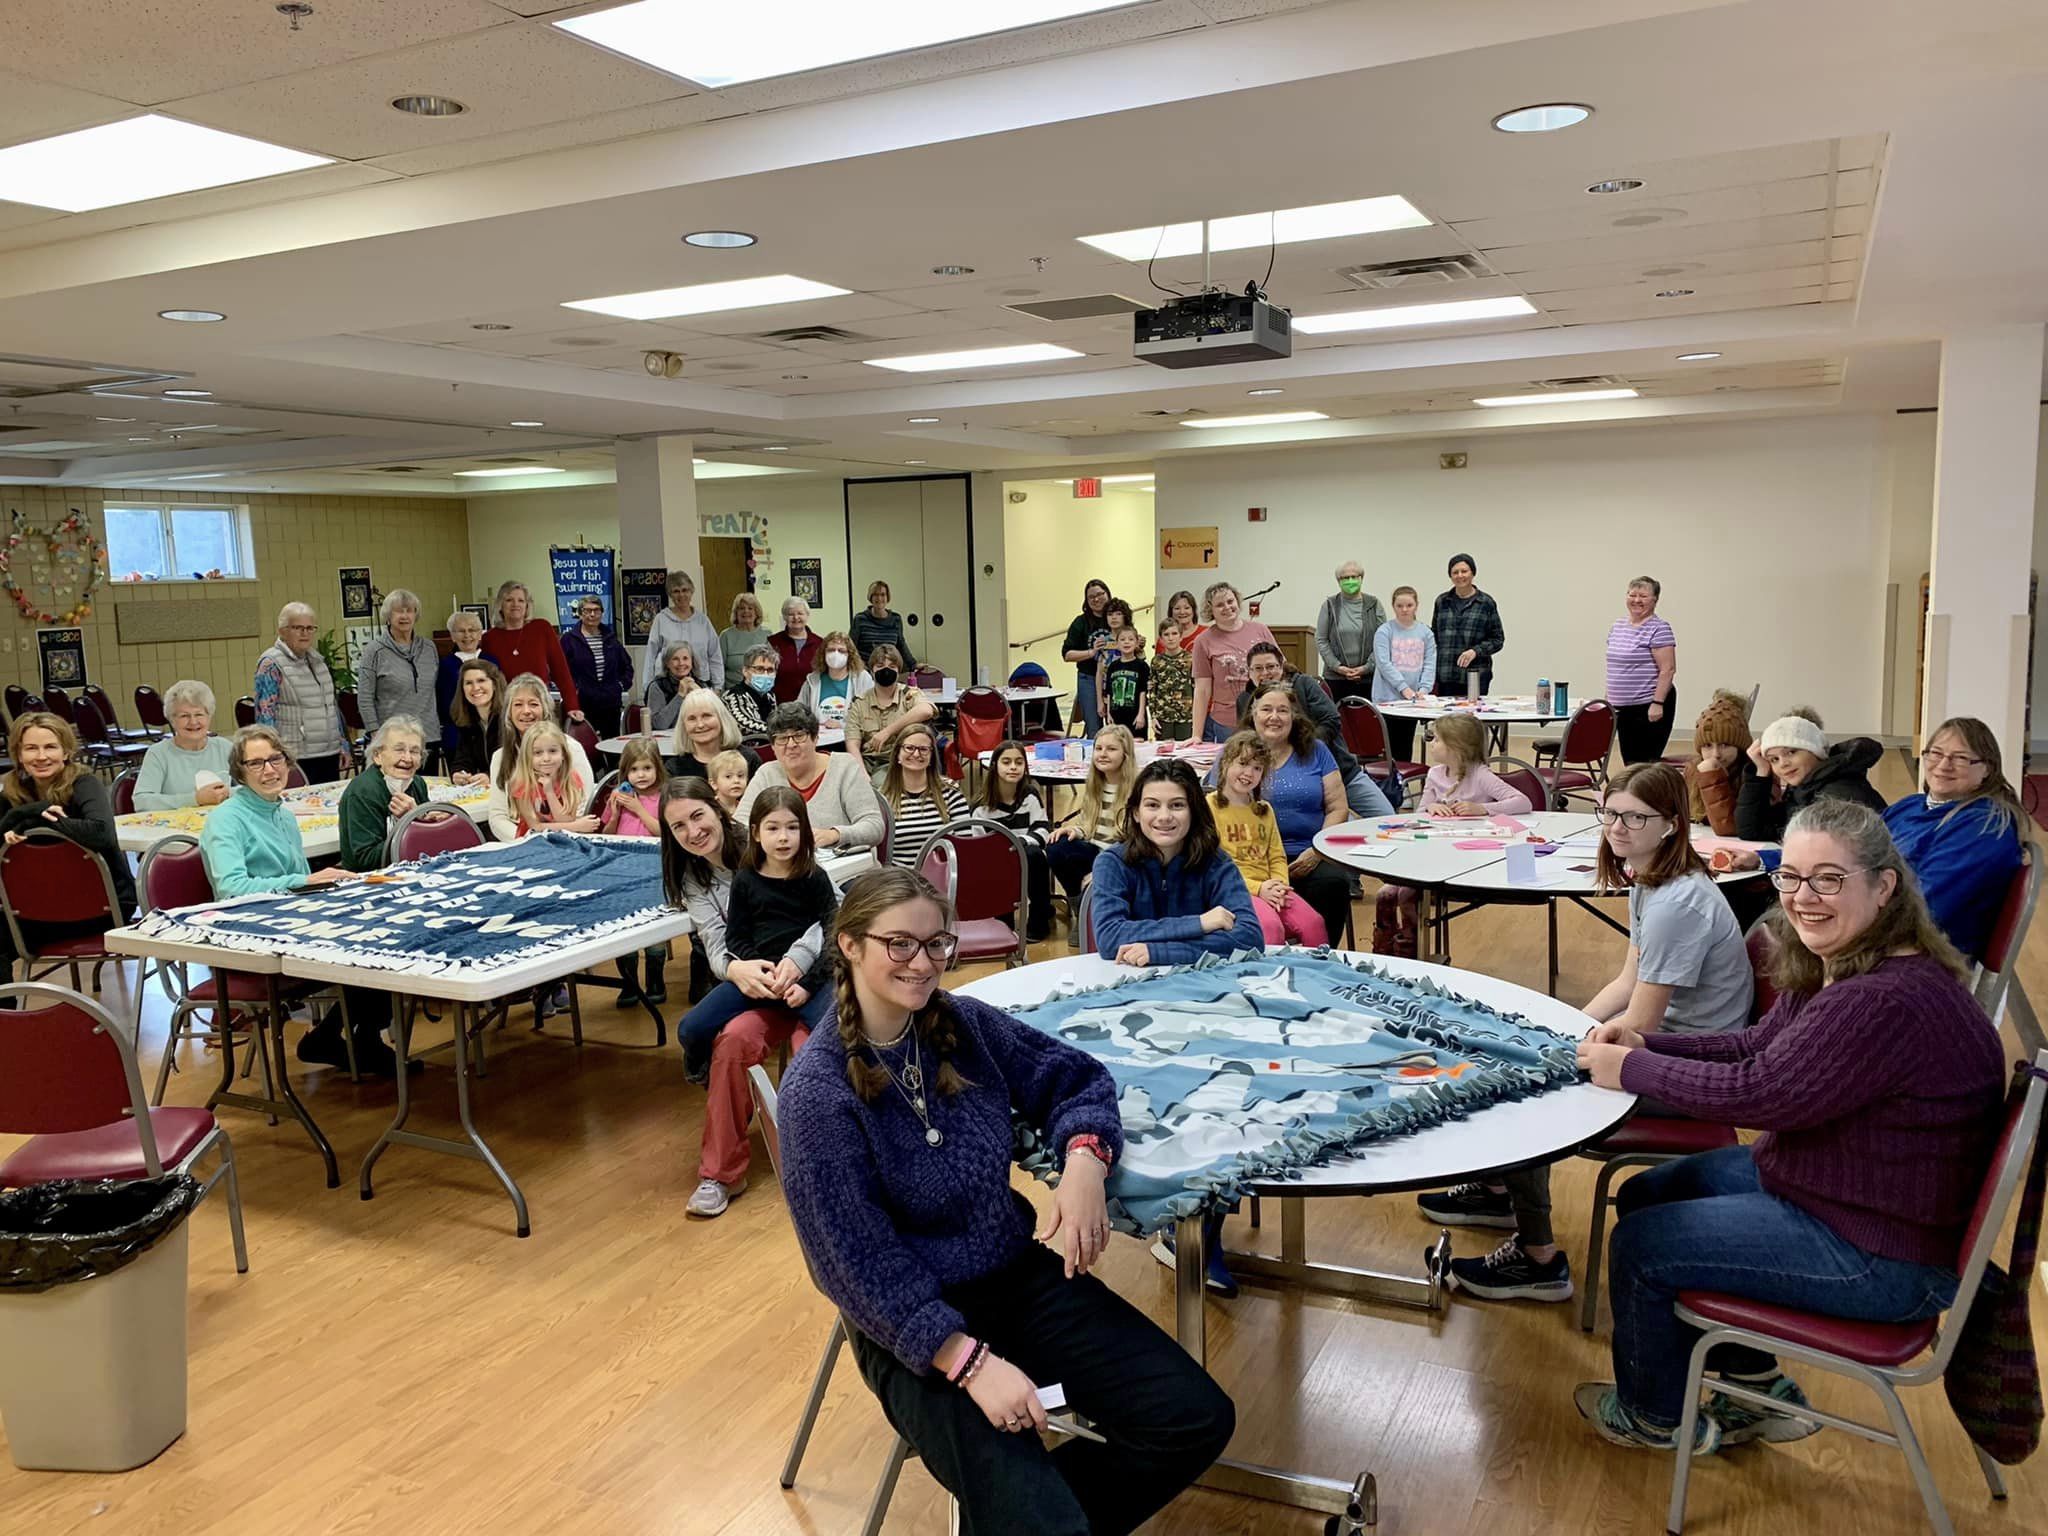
(1025, 645)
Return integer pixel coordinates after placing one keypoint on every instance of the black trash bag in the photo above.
(74, 1229)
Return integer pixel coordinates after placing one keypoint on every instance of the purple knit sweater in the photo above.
(1879, 1097)
(888, 1223)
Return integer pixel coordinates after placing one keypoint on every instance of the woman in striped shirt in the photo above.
(920, 799)
(1642, 668)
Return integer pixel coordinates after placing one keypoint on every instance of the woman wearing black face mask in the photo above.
(877, 717)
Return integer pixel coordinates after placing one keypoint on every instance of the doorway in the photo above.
(728, 572)
(915, 534)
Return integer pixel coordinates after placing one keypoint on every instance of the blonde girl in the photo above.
(1098, 822)
(1460, 783)
(730, 771)
(546, 791)
(1251, 836)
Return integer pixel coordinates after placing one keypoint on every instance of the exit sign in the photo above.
(1089, 487)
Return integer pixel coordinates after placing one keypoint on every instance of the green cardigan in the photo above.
(366, 818)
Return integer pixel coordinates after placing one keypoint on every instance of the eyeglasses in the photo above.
(261, 764)
(903, 947)
(914, 752)
(1635, 821)
(1828, 882)
(788, 740)
(1933, 759)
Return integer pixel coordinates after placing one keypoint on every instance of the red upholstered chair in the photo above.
(245, 711)
(124, 793)
(600, 797)
(47, 878)
(2001, 951)
(68, 1080)
(580, 731)
(1758, 942)
(1365, 733)
(1517, 774)
(981, 868)
(927, 678)
(1880, 1355)
(429, 829)
(149, 709)
(982, 720)
(1579, 765)
(629, 723)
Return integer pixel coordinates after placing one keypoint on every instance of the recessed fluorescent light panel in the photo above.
(1397, 316)
(128, 162)
(1267, 419)
(1559, 397)
(1245, 231)
(1546, 118)
(509, 469)
(1697, 357)
(707, 298)
(727, 45)
(978, 357)
(191, 316)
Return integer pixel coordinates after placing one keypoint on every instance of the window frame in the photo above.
(238, 515)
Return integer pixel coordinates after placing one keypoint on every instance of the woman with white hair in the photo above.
(704, 728)
(466, 635)
(388, 787)
(295, 696)
(677, 677)
(796, 650)
(1346, 627)
(681, 622)
(396, 672)
(744, 634)
(189, 766)
(521, 644)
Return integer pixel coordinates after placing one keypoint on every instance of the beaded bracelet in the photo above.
(1091, 1144)
(966, 1355)
(979, 1359)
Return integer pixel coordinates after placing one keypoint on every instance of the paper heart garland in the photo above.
(70, 546)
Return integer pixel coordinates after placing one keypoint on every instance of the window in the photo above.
(178, 543)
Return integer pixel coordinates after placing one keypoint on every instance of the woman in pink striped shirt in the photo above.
(1642, 668)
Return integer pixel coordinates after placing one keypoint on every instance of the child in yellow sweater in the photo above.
(1251, 836)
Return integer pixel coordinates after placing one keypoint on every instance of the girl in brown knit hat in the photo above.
(1720, 738)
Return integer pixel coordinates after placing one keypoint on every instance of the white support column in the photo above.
(658, 505)
(1984, 472)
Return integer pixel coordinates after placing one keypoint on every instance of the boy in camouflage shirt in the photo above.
(1172, 701)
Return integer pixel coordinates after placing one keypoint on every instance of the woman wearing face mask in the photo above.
(884, 711)
(837, 681)
(753, 697)
(1876, 1080)
(1346, 629)
(466, 639)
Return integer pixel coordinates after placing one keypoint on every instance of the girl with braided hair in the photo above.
(897, 1152)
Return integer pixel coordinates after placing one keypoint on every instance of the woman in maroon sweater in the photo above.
(1877, 1081)
(519, 643)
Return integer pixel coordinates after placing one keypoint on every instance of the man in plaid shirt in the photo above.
(1468, 632)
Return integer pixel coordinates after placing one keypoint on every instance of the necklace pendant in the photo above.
(918, 1105)
(913, 1078)
(932, 1136)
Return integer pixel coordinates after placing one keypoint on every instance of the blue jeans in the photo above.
(697, 1032)
(1705, 1223)
(1365, 798)
(1211, 731)
(1084, 696)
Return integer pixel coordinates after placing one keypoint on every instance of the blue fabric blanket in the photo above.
(466, 913)
(1230, 1072)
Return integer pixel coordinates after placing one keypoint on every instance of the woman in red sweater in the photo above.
(520, 643)
(1877, 1081)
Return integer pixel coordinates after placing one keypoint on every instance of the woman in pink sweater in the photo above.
(1459, 784)
(1877, 1081)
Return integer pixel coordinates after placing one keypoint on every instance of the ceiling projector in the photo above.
(1209, 329)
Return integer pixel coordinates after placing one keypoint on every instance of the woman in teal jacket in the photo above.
(1169, 894)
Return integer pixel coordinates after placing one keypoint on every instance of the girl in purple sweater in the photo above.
(1877, 1081)
(897, 1151)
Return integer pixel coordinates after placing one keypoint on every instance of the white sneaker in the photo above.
(712, 1198)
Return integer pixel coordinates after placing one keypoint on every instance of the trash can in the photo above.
(92, 1322)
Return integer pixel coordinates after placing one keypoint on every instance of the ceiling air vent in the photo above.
(790, 336)
(400, 469)
(1093, 306)
(578, 341)
(1423, 272)
(1584, 381)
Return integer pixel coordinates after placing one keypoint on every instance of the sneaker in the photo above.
(1218, 1277)
(712, 1198)
(1743, 1422)
(629, 995)
(1509, 1274)
(656, 990)
(1602, 1407)
(1468, 1205)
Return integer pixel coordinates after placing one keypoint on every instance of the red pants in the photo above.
(743, 1043)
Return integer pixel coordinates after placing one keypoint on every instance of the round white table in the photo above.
(1501, 1137)
(1200, 756)
(828, 736)
(1501, 709)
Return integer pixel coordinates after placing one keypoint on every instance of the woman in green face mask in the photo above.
(1351, 616)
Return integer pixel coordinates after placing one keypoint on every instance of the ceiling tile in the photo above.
(154, 51)
(1589, 218)
(596, 128)
(1676, 240)
(510, 77)
(1702, 284)
(1606, 312)
(1667, 272)
(36, 109)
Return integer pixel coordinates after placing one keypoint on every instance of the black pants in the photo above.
(1327, 888)
(603, 715)
(1641, 739)
(1342, 688)
(1162, 1416)
(1038, 881)
(1400, 738)
(321, 770)
(1071, 860)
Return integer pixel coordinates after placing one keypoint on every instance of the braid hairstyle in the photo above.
(937, 1026)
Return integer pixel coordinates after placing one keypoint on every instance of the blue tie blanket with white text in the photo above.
(1235, 1072)
(464, 914)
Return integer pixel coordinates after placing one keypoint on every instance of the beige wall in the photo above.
(509, 533)
(300, 544)
(1053, 545)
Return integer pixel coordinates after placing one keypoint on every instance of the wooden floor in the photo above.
(407, 1365)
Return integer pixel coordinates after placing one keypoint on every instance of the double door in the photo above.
(915, 535)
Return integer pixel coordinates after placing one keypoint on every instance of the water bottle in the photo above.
(1560, 698)
(1472, 685)
(1543, 696)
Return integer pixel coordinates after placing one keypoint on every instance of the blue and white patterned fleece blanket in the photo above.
(1233, 1071)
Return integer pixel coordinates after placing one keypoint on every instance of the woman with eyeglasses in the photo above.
(921, 799)
(837, 795)
(1877, 1082)
(897, 1155)
(1686, 973)
(1962, 834)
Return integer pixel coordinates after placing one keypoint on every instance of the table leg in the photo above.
(1294, 1267)
(1550, 913)
(288, 1103)
(402, 1027)
(480, 1150)
(1299, 1490)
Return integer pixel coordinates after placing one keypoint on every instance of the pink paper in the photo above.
(1509, 824)
(1707, 843)
(1475, 844)
(1346, 837)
